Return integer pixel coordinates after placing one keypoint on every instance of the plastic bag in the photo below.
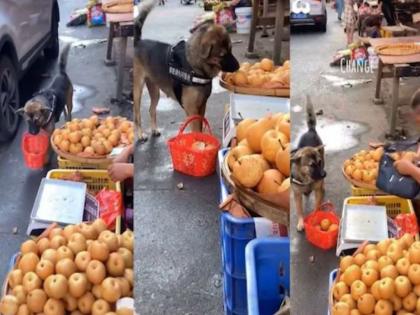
(110, 206)
(407, 223)
(225, 17)
(96, 16)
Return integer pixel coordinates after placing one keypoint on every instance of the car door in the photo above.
(39, 20)
(44, 16)
(33, 24)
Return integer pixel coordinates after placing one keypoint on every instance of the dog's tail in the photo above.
(144, 8)
(63, 58)
(310, 114)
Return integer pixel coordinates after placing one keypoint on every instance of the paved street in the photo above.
(178, 267)
(94, 84)
(349, 122)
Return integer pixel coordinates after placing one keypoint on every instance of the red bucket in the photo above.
(194, 153)
(322, 239)
(35, 148)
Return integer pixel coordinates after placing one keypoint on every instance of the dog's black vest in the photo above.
(181, 71)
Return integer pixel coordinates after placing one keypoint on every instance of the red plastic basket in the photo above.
(322, 239)
(194, 161)
(35, 148)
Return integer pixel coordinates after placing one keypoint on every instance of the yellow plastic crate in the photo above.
(96, 180)
(67, 164)
(363, 192)
(394, 205)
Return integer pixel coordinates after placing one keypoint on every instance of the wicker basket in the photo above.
(275, 208)
(96, 159)
(283, 92)
(254, 202)
(75, 158)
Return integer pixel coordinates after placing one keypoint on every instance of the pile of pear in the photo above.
(261, 160)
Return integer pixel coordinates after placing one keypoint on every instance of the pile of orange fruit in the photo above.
(93, 137)
(327, 226)
(382, 279)
(364, 166)
(263, 74)
(79, 269)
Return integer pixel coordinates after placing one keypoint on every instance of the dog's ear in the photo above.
(202, 26)
(296, 157)
(320, 148)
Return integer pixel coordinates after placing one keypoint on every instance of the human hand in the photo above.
(405, 167)
(121, 171)
(125, 154)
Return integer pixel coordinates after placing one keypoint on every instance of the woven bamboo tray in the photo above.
(98, 159)
(283, 92)
(358, 183)
(398, 49)
(273, 207)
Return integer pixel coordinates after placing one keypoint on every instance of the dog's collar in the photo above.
(299, 183)
(180, 69)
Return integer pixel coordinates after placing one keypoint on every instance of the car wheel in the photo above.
(53, 49)
(9, 99)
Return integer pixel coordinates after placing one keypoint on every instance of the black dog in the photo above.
(184, 72)
(307, 166)
(44, 109)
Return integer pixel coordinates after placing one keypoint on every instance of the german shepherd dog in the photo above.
(44, 109)
(307, 164)
(184, 72)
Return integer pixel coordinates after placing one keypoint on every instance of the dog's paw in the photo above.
(300, 226)
(142, 138)
(155, 133)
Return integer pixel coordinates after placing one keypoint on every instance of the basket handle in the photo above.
(326, 206)
(191, 119)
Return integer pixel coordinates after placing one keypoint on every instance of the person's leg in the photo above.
(340, 8)
(350, 33)
(389, 12)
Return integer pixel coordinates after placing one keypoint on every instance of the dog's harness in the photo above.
(181, 71)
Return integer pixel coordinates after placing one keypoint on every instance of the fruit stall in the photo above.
(78, 257)
(377, 242)
(254, 170)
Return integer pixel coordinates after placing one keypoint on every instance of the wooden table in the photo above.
(268, 19)
(121, 26)
(395, 67)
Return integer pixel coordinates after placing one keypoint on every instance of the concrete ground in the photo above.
(349, 122)
(178, 267)
(94, 86)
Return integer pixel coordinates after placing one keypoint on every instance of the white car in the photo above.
(28, 28)
(309, 12)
